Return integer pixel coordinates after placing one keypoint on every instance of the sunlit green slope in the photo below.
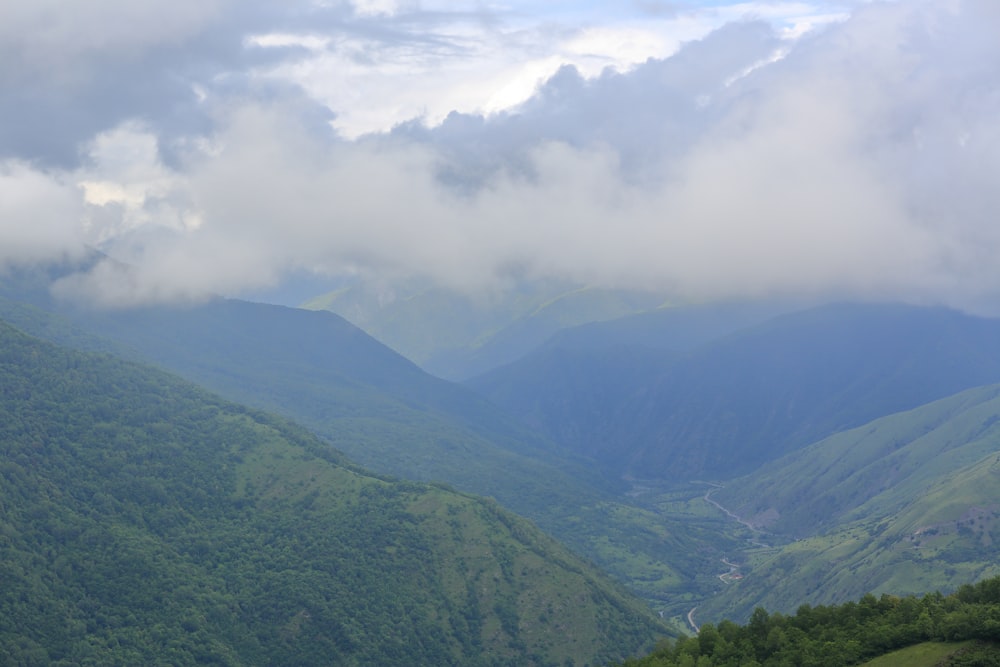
(905, 504)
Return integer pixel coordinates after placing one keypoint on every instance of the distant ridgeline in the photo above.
(959, 630)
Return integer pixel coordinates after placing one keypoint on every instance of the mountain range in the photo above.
(809, 454)
(731, 403)
(146, 521)
(388, 415)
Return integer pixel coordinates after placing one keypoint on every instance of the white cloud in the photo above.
(861, 163)
(126, 187)
(38, 216)
(467, 63)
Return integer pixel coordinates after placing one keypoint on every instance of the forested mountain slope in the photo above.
(145, 521)
(390, 416)
(323, 372)
(734, 403)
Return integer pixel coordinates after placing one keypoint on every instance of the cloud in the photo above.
(425, 60)
(38, 217)
(858, 160)
(648, 115)
(71, 70)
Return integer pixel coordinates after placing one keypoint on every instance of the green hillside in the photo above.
(939, 540)
(326, 374)
(905, 504)
(145, 521)
(871, 471)
(960, 630)
(925, 654)
(392, 417)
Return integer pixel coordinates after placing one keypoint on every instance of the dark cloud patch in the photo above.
(72, 70)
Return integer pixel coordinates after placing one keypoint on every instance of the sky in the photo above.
(703, 149)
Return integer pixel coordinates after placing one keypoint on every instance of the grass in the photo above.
(927, 654)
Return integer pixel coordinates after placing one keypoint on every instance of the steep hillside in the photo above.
(146, 521)
(575, 396)
(871, 471)
(905, 504)
(390, 416)
(320, 370)
(747, 398)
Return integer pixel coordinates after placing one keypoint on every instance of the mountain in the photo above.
(727, 406)
(753, 393)
(455, 336)
(574, 387)
(390, 416)
(904, 504)
(145, 521)
(318, 369)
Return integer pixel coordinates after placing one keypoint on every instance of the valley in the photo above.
(836, 508)
(418, 333)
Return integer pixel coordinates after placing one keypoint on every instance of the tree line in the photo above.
(846, 634)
